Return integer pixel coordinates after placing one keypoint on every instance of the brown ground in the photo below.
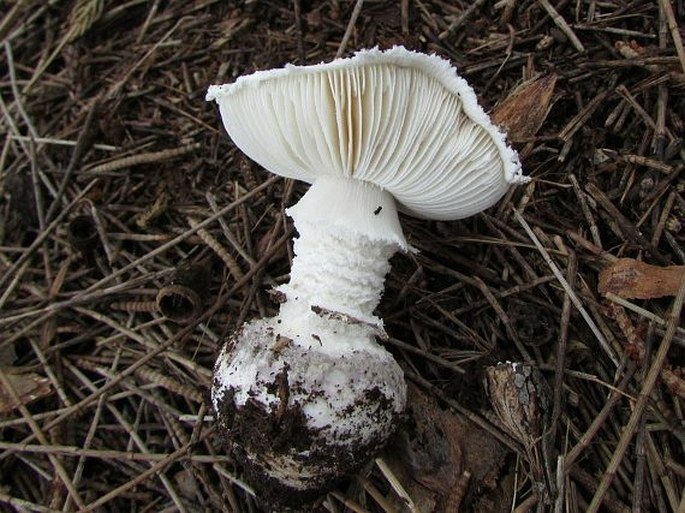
(103, 400)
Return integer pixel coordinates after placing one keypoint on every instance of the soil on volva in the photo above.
(115, 174)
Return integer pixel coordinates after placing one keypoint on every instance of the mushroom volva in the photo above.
(306, 397)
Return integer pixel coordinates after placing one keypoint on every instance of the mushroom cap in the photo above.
(402, 120)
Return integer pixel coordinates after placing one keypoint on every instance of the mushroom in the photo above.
(306, 397)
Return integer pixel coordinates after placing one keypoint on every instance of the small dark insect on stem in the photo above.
(377, 211)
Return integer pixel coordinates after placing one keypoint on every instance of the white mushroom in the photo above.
(307, 396)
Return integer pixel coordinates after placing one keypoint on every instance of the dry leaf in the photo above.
(29, 387)
(631, 279)
(525, 109)
(439, 456)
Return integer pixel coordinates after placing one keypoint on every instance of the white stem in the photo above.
(319, 369)
(347, 232)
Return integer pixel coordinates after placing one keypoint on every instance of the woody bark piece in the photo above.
(520, 400)
(631, 279)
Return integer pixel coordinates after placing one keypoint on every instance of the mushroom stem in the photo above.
(347, 232)
(324, 394)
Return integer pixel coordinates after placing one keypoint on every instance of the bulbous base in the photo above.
(300, 418)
